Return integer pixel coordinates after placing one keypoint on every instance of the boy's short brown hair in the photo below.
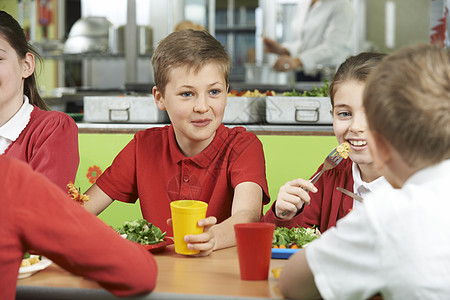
(187, 48)
(407, 101)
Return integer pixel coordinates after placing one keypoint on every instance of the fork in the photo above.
(331, 161)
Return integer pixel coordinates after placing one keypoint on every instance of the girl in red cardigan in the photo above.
(299, 202)
(46, 140)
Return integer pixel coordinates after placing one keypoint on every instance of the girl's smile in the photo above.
(349, 120)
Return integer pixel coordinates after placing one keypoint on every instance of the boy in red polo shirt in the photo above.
(196, 157)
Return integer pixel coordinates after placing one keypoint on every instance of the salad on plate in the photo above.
(141, 231)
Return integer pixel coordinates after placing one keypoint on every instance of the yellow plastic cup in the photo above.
(185, 217)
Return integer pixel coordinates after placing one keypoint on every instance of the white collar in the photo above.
(363, 188)
(12, 129)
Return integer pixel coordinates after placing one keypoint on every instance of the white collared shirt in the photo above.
(362, 188)
(11, 130)
(396, 244)
(322, 33)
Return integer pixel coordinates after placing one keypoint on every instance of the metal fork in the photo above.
(331, 161)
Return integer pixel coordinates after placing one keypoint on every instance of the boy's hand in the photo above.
(292, 196)
(205, 241)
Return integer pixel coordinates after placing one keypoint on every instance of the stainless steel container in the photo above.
(127, 109)
(298, 110)
(265, 74)
(245, 110)
(117, 40)
(145, 40)
(88, 34)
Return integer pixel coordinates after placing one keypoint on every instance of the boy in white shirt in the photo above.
(397, 244)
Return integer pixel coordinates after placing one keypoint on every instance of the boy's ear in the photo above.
(159, 98)
(28, 64)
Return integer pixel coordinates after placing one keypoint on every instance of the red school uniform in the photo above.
(327, 205)
(49, 144)
(152, 168)
(36, 215)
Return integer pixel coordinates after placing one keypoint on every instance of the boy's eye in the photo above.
(186, 94)
(215, 92)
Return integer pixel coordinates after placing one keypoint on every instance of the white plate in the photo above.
(25, 272)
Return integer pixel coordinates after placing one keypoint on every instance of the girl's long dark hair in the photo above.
(11, 30)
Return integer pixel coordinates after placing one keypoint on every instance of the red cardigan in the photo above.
(49, 144)
(327, 205)
(35, 214)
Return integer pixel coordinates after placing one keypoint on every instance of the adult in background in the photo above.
(322, 32)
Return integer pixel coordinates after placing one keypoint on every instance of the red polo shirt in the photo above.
(152, 168)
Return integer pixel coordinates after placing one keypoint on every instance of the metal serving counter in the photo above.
(263, 129)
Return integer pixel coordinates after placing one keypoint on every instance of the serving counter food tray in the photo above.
(245, 110)
(122, 109)
(298, 110)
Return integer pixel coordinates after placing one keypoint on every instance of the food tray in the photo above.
(245, 110)
(298, 110)
(126, 109)
(283, 253)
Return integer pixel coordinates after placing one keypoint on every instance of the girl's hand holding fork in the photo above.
(292, 196)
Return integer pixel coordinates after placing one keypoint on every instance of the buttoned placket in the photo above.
(185, 179)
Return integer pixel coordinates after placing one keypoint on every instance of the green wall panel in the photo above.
(287, 158)
(290, 157)
(100, 150)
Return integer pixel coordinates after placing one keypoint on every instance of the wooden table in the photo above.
(179, 277)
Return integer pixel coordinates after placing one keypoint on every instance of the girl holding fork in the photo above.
(301, 203)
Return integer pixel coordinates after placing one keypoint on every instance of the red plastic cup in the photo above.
(254, 247)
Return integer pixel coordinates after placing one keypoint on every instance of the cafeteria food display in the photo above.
(123, 109)
(75, 194)
(141, 231)
(249, 93)
(315, 92)
(293, 107)
(243, 107)
(246, 107)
